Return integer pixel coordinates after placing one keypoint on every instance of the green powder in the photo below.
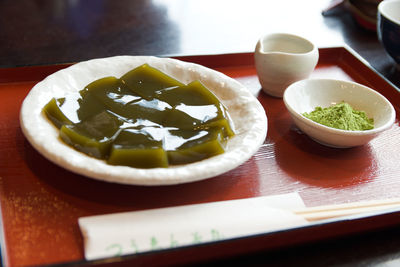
(341, 116)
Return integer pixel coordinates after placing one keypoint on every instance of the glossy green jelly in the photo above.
(145, 119)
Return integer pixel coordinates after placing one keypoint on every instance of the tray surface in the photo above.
(40, 202)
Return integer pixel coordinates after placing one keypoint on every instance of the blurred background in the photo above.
(45, 31)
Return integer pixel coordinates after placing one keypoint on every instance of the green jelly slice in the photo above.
(109, 92)
(195, 94)
(146, 81)
(194, 106)
(93, 136)
(137, 148)
(54, 113)
(199, 145)
(222, 124)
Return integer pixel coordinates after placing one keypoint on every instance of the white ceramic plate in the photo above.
(247, 114)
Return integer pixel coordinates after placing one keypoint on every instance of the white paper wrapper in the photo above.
(140, 231)
(247, 114)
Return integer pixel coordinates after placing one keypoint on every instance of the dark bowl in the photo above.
(388, 27)
(364, 12)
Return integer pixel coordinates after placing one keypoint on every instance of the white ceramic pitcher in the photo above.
(282, 59)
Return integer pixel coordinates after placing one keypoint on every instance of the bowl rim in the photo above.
(383, 13)
(332, 130)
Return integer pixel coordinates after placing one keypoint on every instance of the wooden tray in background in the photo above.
(41, 202)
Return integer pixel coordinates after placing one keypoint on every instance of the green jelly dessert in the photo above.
(144, 119)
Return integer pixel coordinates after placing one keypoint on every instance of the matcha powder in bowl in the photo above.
(359, 115)
(341, 116)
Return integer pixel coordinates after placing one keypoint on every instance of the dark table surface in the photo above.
(37, 32)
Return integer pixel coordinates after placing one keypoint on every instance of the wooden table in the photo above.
(40, 32)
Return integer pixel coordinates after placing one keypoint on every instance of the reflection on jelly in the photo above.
(145, 119)
(202, 113)
(122, 99)
(70, 105)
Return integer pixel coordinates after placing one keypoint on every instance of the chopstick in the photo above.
(347, 209)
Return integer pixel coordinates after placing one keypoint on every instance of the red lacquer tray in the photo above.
(41, 202)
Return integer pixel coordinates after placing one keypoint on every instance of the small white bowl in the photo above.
(306, 95)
